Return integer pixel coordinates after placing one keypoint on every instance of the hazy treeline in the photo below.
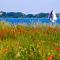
(22, 15)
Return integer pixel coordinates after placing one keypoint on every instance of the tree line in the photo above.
(22, 15)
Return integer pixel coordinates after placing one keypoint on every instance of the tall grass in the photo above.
(29, 43)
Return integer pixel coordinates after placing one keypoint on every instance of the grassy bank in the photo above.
(29, 43)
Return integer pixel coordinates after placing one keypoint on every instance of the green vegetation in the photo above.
(29, 43)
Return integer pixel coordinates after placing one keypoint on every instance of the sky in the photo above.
(30, 6)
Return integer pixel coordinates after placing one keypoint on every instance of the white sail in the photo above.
(53, 16)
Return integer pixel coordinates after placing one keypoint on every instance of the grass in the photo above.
(29, 43)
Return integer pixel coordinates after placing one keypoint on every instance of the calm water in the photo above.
(28, 20)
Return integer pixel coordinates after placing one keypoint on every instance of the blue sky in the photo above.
(30, 6)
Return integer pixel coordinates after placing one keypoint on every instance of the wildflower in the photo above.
(58, 49)
(5, 50)
(51, 57)
(59, 55)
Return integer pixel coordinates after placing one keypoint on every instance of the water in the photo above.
(28, 20)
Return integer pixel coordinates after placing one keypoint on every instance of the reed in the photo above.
(29, 43)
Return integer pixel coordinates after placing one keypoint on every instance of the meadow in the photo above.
(19, 42)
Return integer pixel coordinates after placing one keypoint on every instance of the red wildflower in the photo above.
(58, 49)
(51, 57)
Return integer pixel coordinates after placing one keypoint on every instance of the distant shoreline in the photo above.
(22, 15)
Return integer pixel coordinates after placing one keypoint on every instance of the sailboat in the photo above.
(52, 17)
